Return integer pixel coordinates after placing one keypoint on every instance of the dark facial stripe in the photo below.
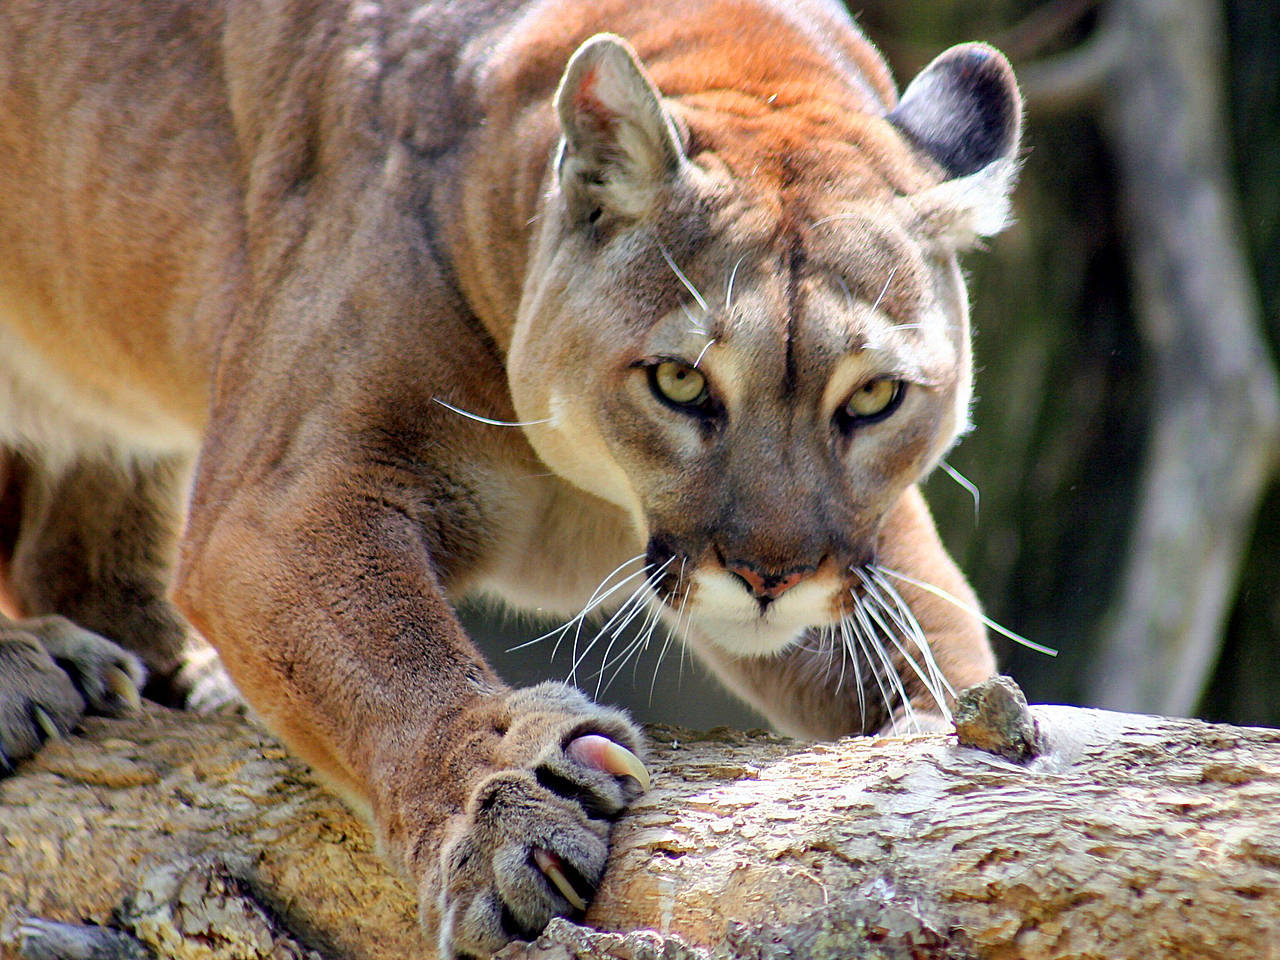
(795, 264)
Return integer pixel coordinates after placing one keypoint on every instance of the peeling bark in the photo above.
(1128, 836)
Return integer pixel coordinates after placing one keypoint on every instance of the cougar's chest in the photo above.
(558, 549)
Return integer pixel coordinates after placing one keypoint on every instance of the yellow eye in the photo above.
(678, 383)
(874, 400)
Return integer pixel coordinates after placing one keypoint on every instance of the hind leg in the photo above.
(51, 671)
(95, 543)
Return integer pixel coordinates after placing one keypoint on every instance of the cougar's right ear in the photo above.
(965, 112)
(620, 146)
(963, 109)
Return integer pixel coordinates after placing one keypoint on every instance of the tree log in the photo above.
(1128, 836)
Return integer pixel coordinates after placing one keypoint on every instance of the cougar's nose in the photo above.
(767, 586)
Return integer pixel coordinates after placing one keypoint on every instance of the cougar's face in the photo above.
(756, 393)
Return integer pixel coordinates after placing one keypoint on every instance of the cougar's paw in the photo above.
(909, 723)
(51, 671)
(534, 837)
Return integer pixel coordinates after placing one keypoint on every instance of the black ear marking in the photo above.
(964, 109)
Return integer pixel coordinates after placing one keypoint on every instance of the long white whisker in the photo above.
(657, 666)
(679, 627)
(688, 285)
(633, 648)
(608, 660)
(646, 630)
(978, 614)
(929, 675)
(613, 573)
(652, 624)
(845, 654)
(590, 605)
(857, 651)
(891, 602)
(624, 613)
(964, 482)
(703, 352)
(884, 289)
(489, 420)
(903, 615)
(728, 292)
(826, 644)
(688, 586)
(678, 631)
(621, 614)
(871, 643)
(895, 680)
(834, 645)
(596, 600)
(857, 679)
(643, 603)
(627, 612)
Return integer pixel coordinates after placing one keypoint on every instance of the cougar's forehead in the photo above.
(786, 310)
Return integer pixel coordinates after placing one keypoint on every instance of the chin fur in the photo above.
(726, 615)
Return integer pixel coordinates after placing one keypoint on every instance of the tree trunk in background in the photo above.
(1216, 418)
(1130, 837)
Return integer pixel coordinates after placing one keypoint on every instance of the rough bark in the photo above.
(1129, 836)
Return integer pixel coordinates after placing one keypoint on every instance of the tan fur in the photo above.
(289, 242)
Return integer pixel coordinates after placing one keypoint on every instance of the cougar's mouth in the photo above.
(738, 613)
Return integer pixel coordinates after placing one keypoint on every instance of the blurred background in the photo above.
(1128, 419)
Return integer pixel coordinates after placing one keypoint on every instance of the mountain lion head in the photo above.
(750, 336)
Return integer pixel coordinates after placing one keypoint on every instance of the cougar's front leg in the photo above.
(95, 543)
(835, 682)
(912, 560)
(323, 589)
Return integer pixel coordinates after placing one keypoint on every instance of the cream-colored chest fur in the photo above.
(557, 549)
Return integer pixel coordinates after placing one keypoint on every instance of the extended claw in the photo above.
(603, 754)
(122, 685)
(50, 727)
(549, 864)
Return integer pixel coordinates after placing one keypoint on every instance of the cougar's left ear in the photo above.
(965, 112)
(620, 145)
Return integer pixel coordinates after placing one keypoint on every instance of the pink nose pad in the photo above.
(768, 587)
